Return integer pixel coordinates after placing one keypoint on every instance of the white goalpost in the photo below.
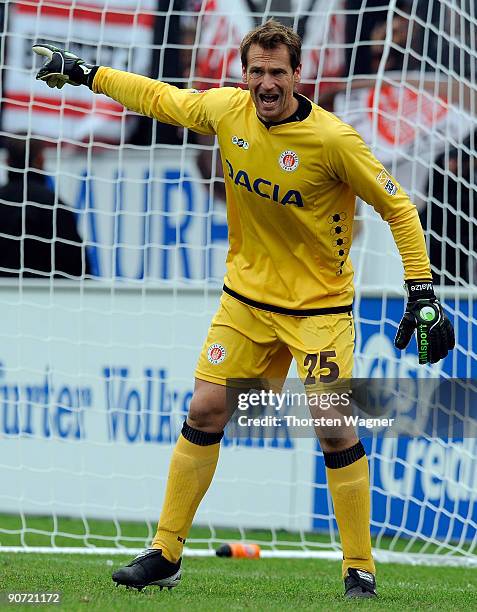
(96, 371)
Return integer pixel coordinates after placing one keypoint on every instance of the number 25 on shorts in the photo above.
(325, 363)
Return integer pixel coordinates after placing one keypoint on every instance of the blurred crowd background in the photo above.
(401, 72)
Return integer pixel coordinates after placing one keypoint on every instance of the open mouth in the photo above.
(268, 99)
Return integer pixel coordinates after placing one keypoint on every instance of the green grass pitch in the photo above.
(211, 584)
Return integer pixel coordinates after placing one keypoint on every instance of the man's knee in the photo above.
(203, 415)
(334, 445)
(208, 407)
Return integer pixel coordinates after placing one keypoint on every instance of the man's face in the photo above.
(271, 82)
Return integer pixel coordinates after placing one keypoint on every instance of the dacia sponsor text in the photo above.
(264, 188)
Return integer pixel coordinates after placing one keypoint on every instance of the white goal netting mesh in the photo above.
(112, 247)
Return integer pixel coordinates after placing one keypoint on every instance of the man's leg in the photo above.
(347, 474)
(323, 348)
(192, 467)
(348, 481)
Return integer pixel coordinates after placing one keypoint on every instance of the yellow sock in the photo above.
(349, 488)
(190, 474)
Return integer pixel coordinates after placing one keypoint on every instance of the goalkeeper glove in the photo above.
(63, 67)
(424, 314)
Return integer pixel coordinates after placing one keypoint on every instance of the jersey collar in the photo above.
(301, 113)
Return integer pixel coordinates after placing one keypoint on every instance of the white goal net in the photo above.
(112, 248)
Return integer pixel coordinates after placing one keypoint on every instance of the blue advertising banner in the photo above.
(420, 484)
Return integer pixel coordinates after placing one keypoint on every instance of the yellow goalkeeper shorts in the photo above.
(244, 342)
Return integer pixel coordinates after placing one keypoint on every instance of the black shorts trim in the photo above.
(309, 312)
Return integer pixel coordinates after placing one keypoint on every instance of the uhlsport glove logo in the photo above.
(423, 343)
(427, 314)
(425, 317)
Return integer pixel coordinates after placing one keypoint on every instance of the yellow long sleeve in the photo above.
(189, 108)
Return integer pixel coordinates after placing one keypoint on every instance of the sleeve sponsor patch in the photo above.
(386, 181)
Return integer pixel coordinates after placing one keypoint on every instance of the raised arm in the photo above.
(161, 101)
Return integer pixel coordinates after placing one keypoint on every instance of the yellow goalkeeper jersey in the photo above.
(290, 190)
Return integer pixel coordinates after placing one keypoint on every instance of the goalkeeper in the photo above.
(292, 171)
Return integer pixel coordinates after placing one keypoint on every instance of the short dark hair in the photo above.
(22, 150)
(269, 36)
